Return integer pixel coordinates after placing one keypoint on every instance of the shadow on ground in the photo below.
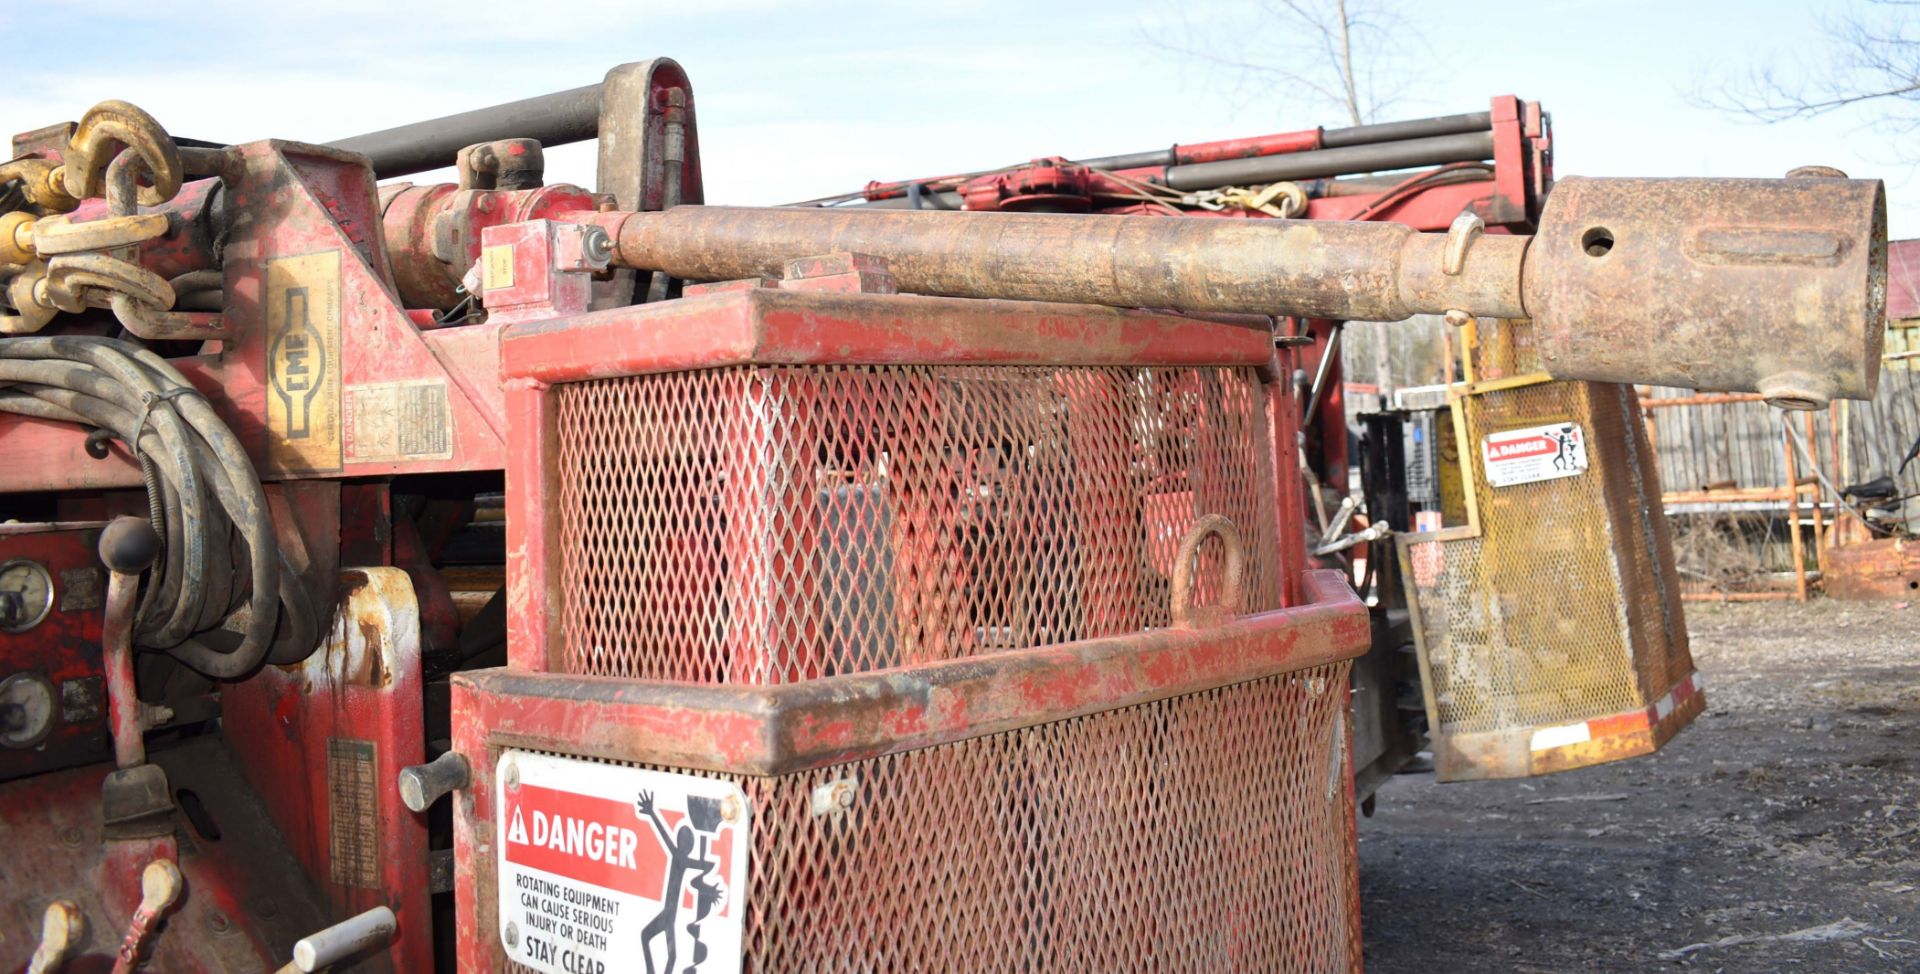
(1780, 832)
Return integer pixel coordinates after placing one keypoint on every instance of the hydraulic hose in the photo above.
(206, 500)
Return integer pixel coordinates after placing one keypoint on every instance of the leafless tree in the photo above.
(1302, 57)
(1870, 55)
(1339, 54)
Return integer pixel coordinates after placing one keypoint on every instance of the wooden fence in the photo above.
(1748, 504)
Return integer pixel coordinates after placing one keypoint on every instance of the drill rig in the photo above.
(511, 576)
(1495, 576)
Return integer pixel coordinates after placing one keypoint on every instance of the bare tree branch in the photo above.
(1871, 55)
(1326, 52)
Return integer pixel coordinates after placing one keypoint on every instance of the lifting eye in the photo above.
(1597, 241)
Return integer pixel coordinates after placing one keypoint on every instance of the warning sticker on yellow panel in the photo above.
(392, 421)
(303, 362)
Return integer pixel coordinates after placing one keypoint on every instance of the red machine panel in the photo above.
(53, 698)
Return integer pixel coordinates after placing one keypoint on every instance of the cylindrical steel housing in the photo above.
(1770, 285)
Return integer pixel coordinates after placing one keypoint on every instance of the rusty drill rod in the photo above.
(1322, 269)
(1776, 286)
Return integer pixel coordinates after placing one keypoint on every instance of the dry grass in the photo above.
(1727, 552)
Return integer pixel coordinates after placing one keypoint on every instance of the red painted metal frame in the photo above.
(762, 731)
(1244, 148)
(306, 200)
(1511, 194)
(279, 723)
(774, 326)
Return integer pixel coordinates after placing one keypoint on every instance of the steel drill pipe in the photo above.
(1322, 269)
(1771, 286)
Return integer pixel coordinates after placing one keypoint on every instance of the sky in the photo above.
(796, 100)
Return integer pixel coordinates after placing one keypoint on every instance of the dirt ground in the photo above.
(1780, 832)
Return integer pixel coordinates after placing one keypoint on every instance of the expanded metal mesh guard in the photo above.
(1561, 610)
(1208, 832)
(769, 524)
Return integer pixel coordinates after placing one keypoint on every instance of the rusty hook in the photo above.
(1232, 582)
(120, 123)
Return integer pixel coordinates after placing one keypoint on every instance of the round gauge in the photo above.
(26, 595)
(26, 710)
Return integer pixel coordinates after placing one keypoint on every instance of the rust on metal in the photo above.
(1772, 286)
(1526, 622)
(1232, 587)
(775, 730)
(962, 774)
(160, 887)
(1883, 569)
(782, 326)
(1367, 271)
(1775, 286)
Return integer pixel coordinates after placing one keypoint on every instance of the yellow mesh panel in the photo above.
(1564, 608)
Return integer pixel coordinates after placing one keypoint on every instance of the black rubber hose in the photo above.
(208, 493)
(172, 610)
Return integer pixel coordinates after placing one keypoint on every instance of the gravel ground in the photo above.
(1780, 832)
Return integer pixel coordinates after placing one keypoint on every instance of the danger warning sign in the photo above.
(605, 868)
(1524, 456)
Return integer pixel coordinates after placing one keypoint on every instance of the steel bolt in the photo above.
(511, 775)
(730, 809)
(218, 922)
(1458, 318)
(596, 246)
(422, 784)
(512, 934)
(71, 836)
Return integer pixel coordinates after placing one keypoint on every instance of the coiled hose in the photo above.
(204, 498)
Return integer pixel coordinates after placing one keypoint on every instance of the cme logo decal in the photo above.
(297, 365)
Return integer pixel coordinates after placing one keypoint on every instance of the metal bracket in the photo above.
(1466, 228)
(649, 151)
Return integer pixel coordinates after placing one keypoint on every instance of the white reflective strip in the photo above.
(1664, 706)
(1548, 738)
